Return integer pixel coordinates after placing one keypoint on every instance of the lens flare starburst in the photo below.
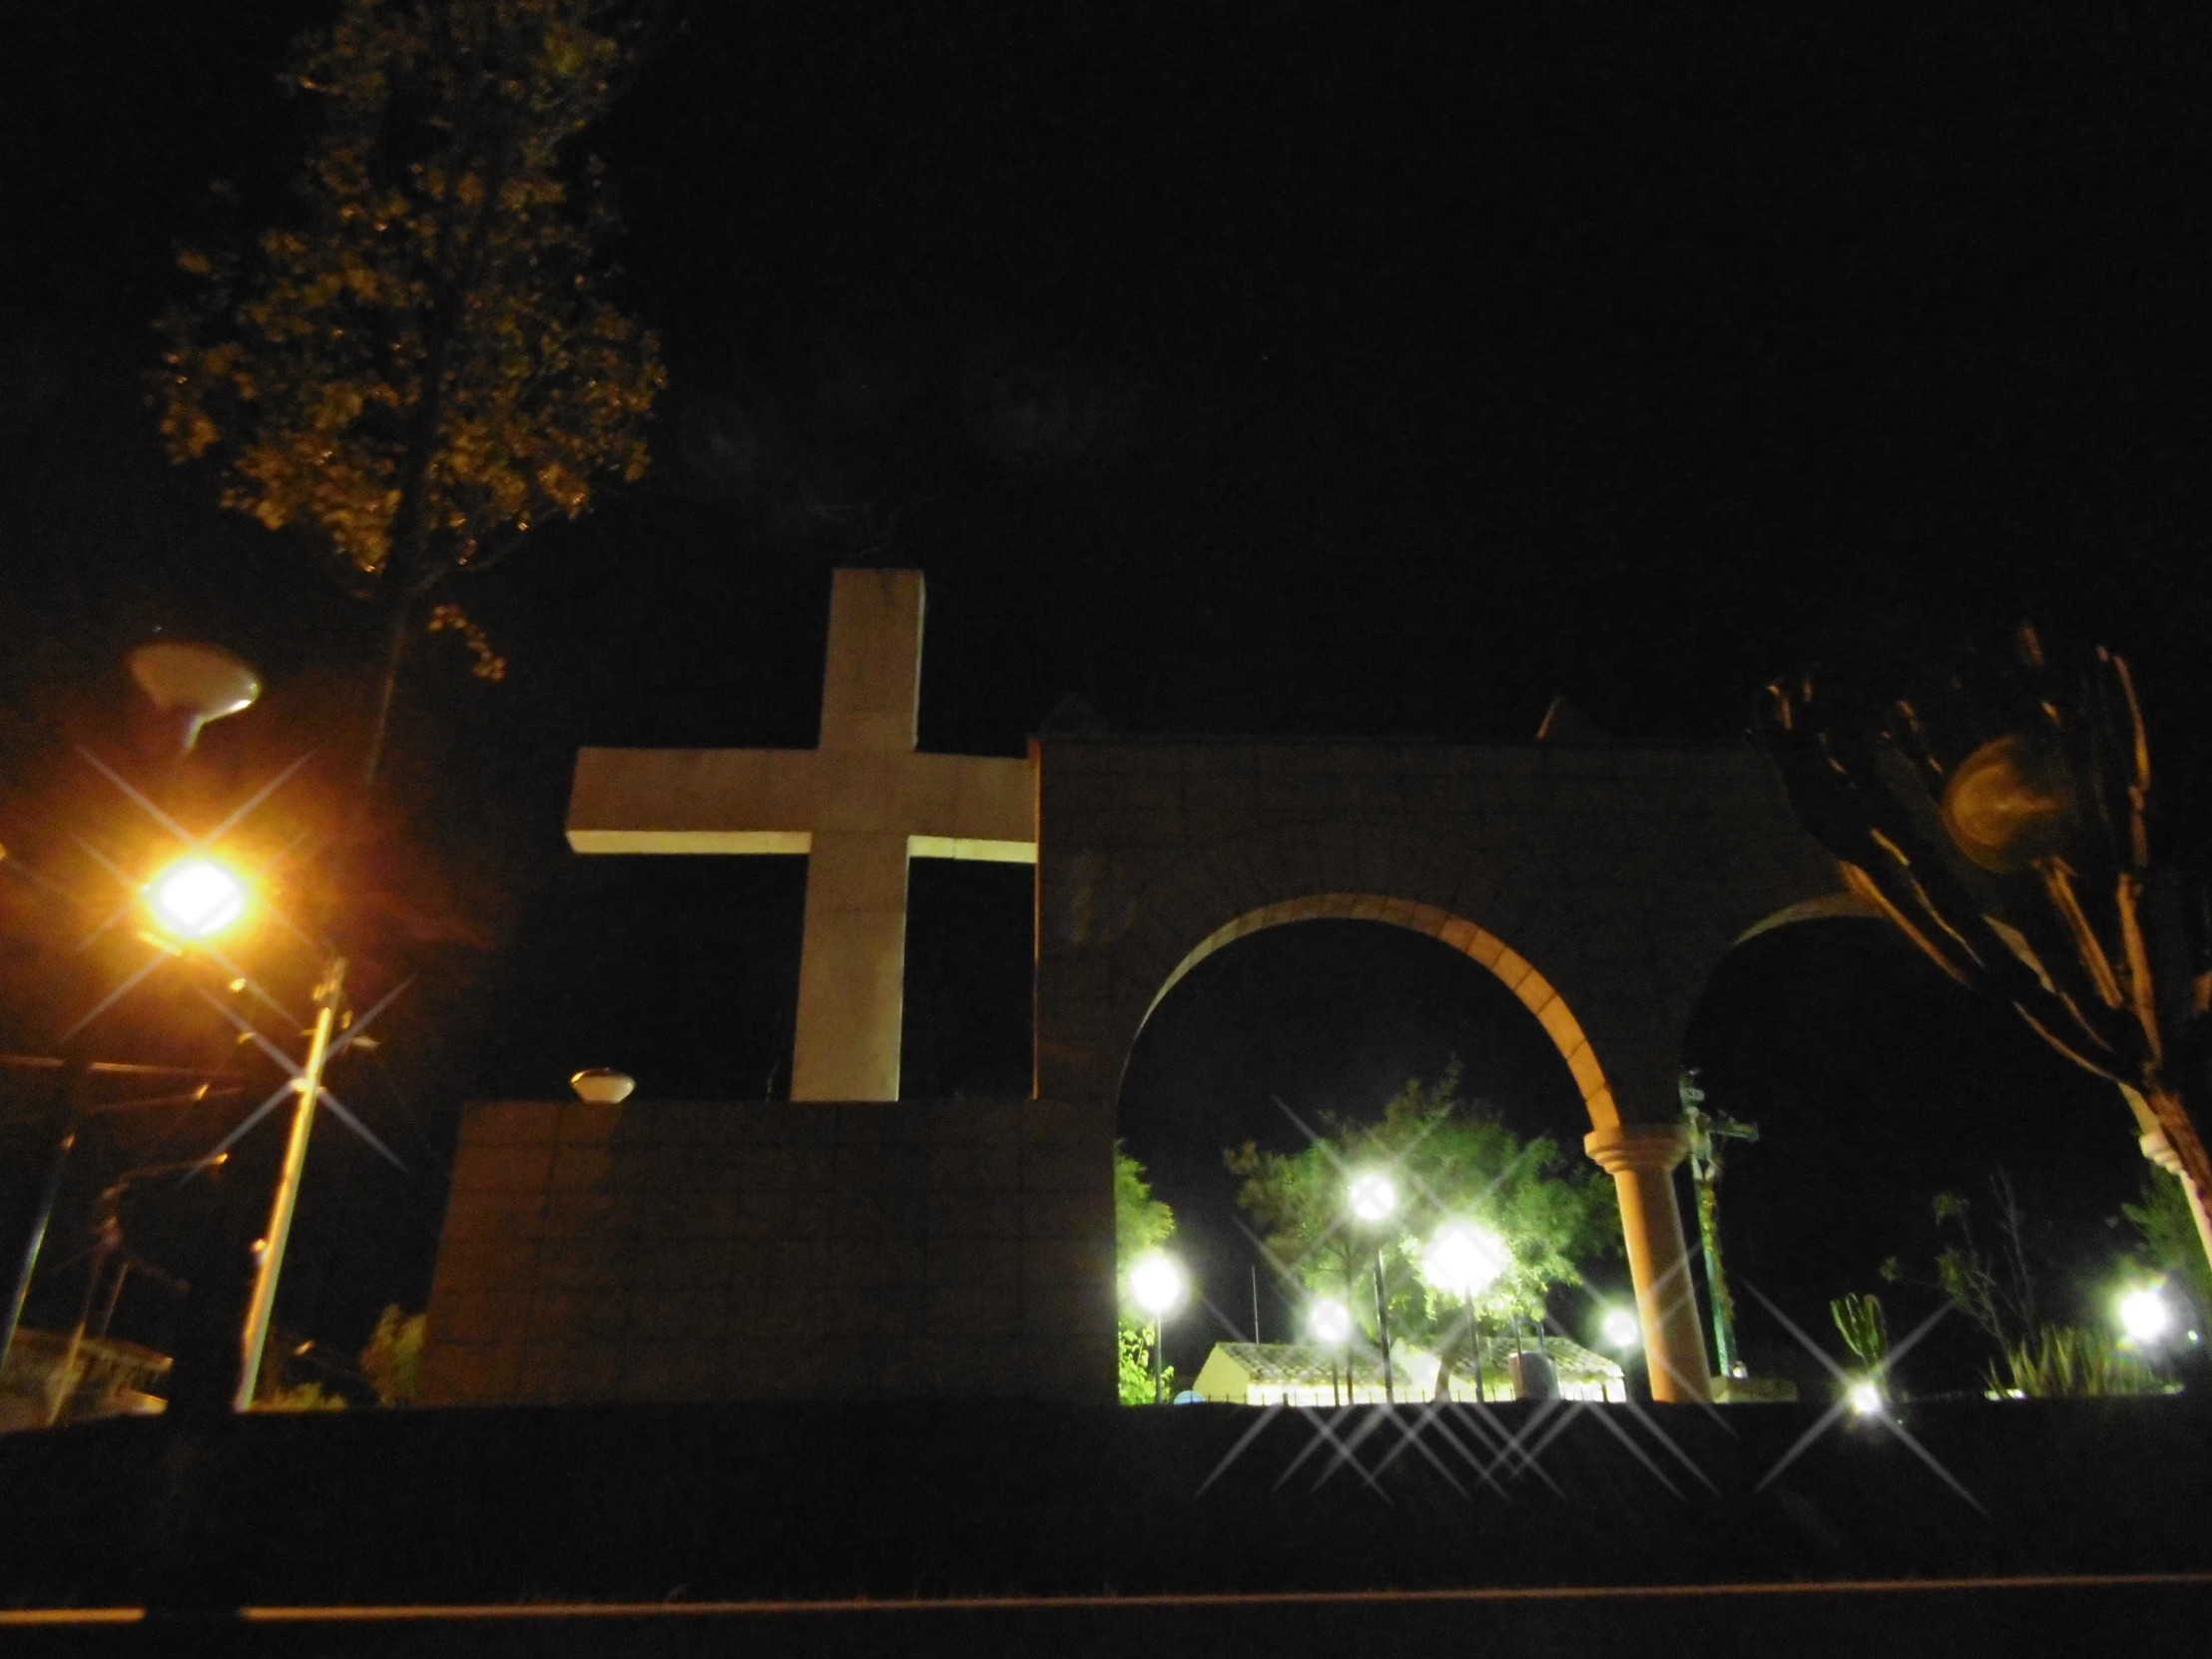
(195, 899)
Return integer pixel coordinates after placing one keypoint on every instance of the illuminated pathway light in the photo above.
(2145, 1314)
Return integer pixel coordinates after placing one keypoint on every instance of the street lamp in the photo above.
(195, 899)
(1622, 1331)
(1465, 1261)
(1330, 1323)
(1372, 1201)
(1157, 1284)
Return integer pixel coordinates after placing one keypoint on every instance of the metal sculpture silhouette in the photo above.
(2002, 823)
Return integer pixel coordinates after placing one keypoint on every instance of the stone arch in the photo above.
(1514, 972)
(1834, 907)
(1640, 1157)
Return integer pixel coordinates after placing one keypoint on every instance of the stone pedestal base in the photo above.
(680, 1250)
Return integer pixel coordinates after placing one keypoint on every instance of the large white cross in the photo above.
(858, 807)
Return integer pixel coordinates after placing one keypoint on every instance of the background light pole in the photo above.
(1464, 1259)
(1330, 1323)
(1157, 1284)
(1374, 1201)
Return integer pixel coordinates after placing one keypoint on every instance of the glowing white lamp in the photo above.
(1464, 1259)
(1373, 1199)
(2145, 1314)
(1157, 1284)
(1330, 1320)
(195, 899)
(1865, 1398)
(1622, 1329)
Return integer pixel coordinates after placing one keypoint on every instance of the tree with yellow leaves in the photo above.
(424, 364)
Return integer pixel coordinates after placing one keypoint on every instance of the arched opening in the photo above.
(1638, 1156)
(1511, 969)
(1878, 1083)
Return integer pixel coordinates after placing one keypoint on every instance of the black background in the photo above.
(1277, 367)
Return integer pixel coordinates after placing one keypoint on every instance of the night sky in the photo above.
(1250, 367)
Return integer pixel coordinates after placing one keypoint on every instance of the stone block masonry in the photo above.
(703, 1250)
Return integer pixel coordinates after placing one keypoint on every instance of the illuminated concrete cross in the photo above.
(858, 807)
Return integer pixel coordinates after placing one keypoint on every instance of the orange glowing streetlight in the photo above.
(196, 898)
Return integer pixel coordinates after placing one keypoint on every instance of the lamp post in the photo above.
(1465, 1260)
(197, 898)
(1374, 1201)
(1329, 1321)
(269, 1255)
(193, 901)
(1157, 1284)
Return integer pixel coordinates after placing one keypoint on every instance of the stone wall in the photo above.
(1622, 875)
(707, 1250)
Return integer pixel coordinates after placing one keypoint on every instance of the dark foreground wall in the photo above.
(958, 1503)
(699, 1251)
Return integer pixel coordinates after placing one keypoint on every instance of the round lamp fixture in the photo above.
(1157, 1284)
(199, 682)
(603, 1086)
(1330, 1320)
(195, 899)
(2145, 1314)
(1621, 1329)
(1464, 1259)
(1373, 1198)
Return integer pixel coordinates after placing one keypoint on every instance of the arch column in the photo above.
(1640, 1157)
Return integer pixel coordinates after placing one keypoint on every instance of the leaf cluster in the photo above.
(2070, 1363)
(2168, 1231)
(424, 363)
(1450, 1159)
(1141, 1223)
(1984, 1274)
(1864, 1328)
(392, 1358)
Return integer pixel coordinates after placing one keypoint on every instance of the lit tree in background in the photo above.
(2002, 822)
(1452, 1162)
(1142, 1224)
(422, 363)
